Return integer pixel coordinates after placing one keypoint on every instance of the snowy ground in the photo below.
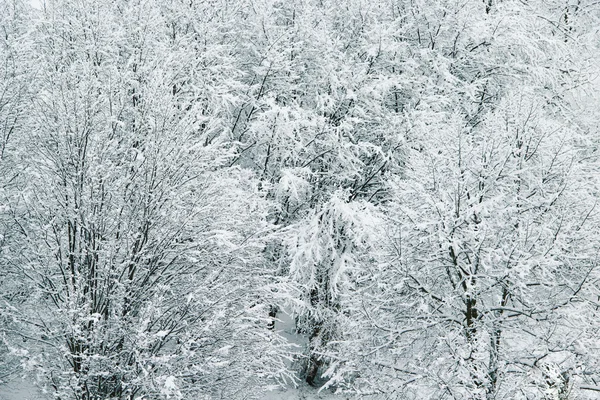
(23, 390)
(20, 389)
(302, 394)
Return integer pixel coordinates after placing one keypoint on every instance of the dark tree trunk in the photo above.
(314, 362)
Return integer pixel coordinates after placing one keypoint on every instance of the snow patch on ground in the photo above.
(302, 393)
(20, 389)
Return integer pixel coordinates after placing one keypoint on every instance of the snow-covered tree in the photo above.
(15, 71)
(144, 247)
(314, 128)
(492, 219)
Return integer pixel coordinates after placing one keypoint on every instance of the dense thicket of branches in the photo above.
(414, 182)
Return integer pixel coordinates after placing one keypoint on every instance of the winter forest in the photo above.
(298, 199)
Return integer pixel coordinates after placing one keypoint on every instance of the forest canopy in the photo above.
(378, 199)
